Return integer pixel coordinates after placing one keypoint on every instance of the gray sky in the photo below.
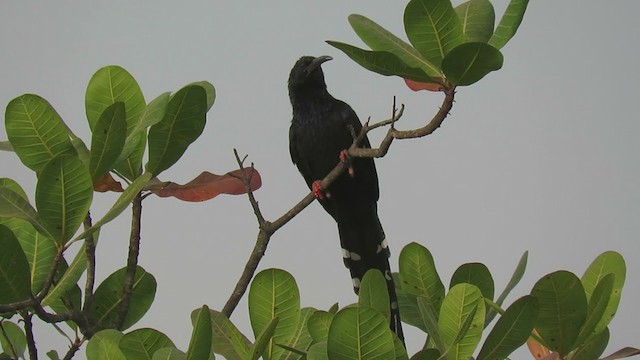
(540, 156)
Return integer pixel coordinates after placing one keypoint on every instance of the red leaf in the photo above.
(417, 86)
(107, 183)
(206, 186)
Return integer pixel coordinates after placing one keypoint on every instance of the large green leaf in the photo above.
(318, 325)
(360, 333)
(39, 250)
(433, 28)
(153, 113)
(274, 294)
(562, 310)
(63, 196)
(35, 131)
(418, 274)
(380, 39)
(108, 297)
(169, 353)
(476, 274)
(318, 351)
(609, 262)
(70, 299)
(301, 339)
(124, 200)
(103, 345)
(470, 62)
(15, 284)
(593, 348)
(373, 292)
(264, 340)
(382, 62)
(200, 343)
(596, 308)
(108, 140)
(512, 329)
(463, 303)
(227, 340)
(68, 279)
(12, 338)
(509, 23)
(429, 317)
(182, 124)
(477, 18)
(141, 344)
(209, 89)
(517, 275)
(14, 205)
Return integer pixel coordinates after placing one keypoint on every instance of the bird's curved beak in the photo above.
(317, 62)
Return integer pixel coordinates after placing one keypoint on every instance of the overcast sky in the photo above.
(540, 156)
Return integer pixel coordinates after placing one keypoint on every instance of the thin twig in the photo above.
(75, 346)
(90, 251)
(132, 261)
(28, 329)
(266, 228)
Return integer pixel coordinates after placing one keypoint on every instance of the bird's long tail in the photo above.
(364, 247)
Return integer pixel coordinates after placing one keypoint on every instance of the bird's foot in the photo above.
(319, 192)
(346, 159)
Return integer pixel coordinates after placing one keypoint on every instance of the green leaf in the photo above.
(108, 298)
(71, 298)
(470, 62)
(119, 206)
(318, 325)
(318, 351)
(401, 352)
(301, 339)
(433, 28)
(477, 19)
(563, 309)
(103, 345)
(169, 353)
(463, 302)
(512, 329)
(274, 294)
(609, 262)
(210, 90)
(427, 354)
(409, 312)
(373, 292)
(509, 23)
(593, 348)
(418, 274)
(141, 344)
(182, 124)
(39, 249)
(35, 131)
(15, 284)
(360, 333)
(227, 340)
(429, 317)
(200, 343)
(53, 355)
(476, 274)
(12, 338)
(108, 140)
(264, 339)
(382, 62)
(380, 39)
(13, 205)
(153, 114)
(69, 278)
(596, 308)
(63, 196)
(517, 275)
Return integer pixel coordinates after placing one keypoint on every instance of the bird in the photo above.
(321, 130)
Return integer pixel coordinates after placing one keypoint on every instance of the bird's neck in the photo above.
(310, 98)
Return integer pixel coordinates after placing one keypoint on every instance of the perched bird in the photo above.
(321, 129)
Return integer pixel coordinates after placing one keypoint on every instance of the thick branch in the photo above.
(90, 250)
(28, 330)
(268, 228)
(132, 261)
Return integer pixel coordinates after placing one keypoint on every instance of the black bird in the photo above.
(322, 127)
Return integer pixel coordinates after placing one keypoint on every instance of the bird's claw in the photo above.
(346, 159)
(318, 191)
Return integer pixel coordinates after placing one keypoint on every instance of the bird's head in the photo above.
(307, 73)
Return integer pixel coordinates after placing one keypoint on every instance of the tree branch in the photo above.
(90, 250)
(267, 229)
(132, 261)
(28, 330)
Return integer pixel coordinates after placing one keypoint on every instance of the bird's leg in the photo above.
(319, 192)
(346, 159)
